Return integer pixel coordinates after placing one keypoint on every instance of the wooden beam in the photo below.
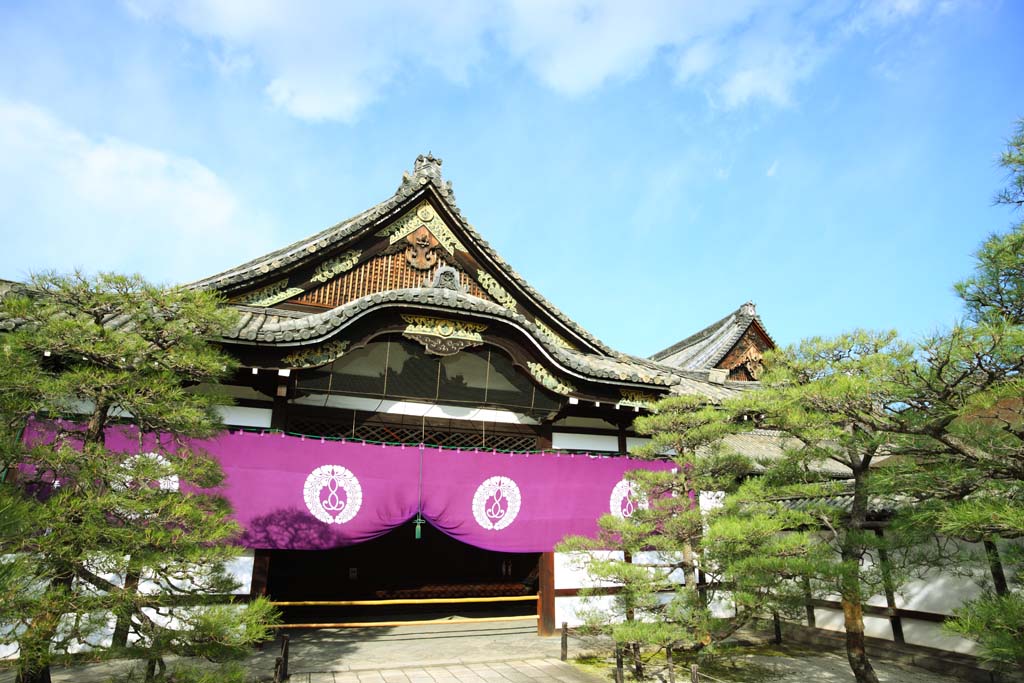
(260, 573)
(417, 622)
(877, 611)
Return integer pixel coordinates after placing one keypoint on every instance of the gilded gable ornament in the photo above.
(550, 334)
(637, 399)
(269, 295)
(549, 381)
(316, 356)
(492, 287)
(443, 337)
(422, 216)
(336, 266)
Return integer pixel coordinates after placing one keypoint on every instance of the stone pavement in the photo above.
(481, 653)
(435, 653)
(523, 671)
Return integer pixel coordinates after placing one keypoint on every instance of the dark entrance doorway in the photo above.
(397, 566)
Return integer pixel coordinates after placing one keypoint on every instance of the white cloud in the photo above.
(108, 204)
(330, 60)
(773, 169)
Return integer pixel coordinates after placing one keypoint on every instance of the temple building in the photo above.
(412, 421)
(402, 327)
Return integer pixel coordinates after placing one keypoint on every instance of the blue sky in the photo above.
(648, 166)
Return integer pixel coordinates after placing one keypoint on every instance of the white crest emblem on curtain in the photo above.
(624, 500)
(343, 498)
(496, 503)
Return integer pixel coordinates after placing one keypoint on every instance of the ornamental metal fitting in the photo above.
(443, 337)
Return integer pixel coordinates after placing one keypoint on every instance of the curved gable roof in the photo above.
(425, 180)
(706, 349)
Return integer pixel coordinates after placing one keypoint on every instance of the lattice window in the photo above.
(412, 435)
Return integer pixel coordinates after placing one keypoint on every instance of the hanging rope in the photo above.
(419, 521)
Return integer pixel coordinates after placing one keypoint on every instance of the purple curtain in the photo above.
(305, 493)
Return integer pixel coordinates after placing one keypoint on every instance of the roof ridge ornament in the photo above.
(748, 309)
(447, 277)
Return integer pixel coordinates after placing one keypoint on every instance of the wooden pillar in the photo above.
(279, 414)
(546, 595)
(890, 593)
(260, 573)
(623, 444)
(544, 436)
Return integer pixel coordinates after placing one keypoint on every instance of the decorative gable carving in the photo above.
(420, 252)
(745, 360)
(423, 216)
(555, 339)
(269, 295)
(441, 336)
(336, 266)
(549, 381)
(495, 290)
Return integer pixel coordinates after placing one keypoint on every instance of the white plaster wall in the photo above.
(633, 442)
(832, 620)
(930, 634)
(567, 608)
(877, 627)
(828, 619)
(570, 573)
(241, 416)
(571, 569)
(585, 442)
(710, 500)
(943, 591)
(240, 569)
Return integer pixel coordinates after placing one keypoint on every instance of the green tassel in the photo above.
(418, 521)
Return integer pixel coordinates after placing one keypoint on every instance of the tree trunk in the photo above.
(124, 620)
(95, 428)
(850, 593)
(38, 637)
(36, 676)
(856, 653)
(995, 565)
(638, 663)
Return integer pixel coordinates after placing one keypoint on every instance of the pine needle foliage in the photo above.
(959, 424)
(668, 592)
(136, 542)
(821, 403)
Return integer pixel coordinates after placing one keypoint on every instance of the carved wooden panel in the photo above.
(744, 359)
(379, 274)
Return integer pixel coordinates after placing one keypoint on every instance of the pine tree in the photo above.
(826, 397)
(113, 538)
(962, 408)
(662, 563)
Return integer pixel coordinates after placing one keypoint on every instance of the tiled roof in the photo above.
(765, 445)
(706, 349)
(289, 328)
(426, 177)
(878, 506)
